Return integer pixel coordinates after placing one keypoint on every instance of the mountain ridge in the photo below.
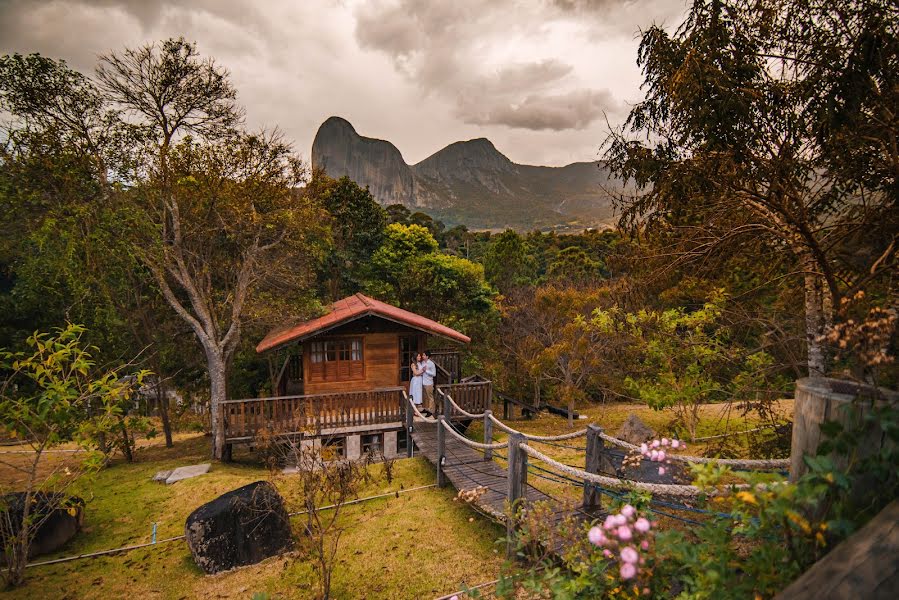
(469, 182)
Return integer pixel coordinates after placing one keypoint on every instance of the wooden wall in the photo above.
(381, 356)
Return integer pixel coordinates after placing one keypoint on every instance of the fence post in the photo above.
(490, 396)
(488, 435)
(518, 481)
(409, 425)
(441, 451)
(447, 409)
(593, 463)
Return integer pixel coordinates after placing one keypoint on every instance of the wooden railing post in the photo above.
(447, 408)
(518, 481)
(488, 435)
(409, 425)
(593, 463)
(441, 451)
(489, 397)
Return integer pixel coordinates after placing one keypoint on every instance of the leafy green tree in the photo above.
(357, 229)
(398, 213)
(51, 394)
(573, 265)
(409, 270)
(508, 262)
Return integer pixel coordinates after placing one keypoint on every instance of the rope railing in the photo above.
(417, 412)
(669, 489)
(537, 438)
(750, 463)
(471, 443)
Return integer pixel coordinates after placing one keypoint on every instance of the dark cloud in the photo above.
(573, 110)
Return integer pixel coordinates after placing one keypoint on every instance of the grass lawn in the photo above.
(419, 545)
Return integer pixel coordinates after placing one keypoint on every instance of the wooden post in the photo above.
(409, 425)
(447, 409)
(593, 462)
(441, 451)
(518, 481)
(488, 435)
(489, 397)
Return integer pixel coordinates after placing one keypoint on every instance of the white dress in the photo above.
(415, 388)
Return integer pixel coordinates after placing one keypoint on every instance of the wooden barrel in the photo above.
(820, 399)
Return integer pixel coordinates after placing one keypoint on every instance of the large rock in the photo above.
(239, 528)
(57, 517)
(635, 431)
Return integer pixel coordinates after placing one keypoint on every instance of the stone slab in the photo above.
(187, 472)
(161, 476)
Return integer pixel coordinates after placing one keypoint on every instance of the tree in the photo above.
(220, 223)
(357, 230)
(572, 265)
(52, 394)
(508, 262)
(729, 157)
(409, 270)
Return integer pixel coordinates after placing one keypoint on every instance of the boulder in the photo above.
(635, 431)
(242, 527)
(57, 518)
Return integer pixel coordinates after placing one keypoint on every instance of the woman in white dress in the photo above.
(415, 389)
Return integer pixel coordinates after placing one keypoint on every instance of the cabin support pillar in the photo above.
(409, 428)
(593, 463)
(441, 450)
(518, 482)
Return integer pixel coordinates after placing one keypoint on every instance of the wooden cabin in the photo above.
(341, 377)
(360, 344)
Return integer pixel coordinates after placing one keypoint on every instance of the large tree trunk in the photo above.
(162, 402)
(814, 320)
(218, 393)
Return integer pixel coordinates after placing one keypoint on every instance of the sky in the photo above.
(542, 79)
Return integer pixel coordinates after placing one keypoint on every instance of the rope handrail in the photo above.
(538, 438)
(415, 409)
(458, 408)
(749, 463)
(669, 489)
(471, 443)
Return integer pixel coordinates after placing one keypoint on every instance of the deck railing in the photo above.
(311, 414)
(450, 361)
(474, 397)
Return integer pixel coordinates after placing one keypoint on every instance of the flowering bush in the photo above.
(622, 538)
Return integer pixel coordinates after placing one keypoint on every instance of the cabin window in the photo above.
(337, 359)
(408, 350)
(372, 444)
(334, 448)
(295, 368)
(401, 443)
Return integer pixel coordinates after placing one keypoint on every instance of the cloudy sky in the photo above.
(537, 77)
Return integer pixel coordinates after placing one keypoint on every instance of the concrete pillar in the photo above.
(353, 447)
(390, 444)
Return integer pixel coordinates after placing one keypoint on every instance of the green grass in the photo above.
(420, 544)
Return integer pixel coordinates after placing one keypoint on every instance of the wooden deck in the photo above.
(466, 469)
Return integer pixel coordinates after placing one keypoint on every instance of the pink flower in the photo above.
(654, 455)
(596, 536)
(644, 545)
(455, 597)
(642, 525)
(662, 456)
(629, 555)
(624, 533)
(661, 470)
(628, 571)
(644, 448)
(656, 443)
(606, 553)
(620, 519)
(610, 522)
(675, 443)
(628, 511)
(664, 441)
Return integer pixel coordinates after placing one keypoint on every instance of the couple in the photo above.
(423, 372)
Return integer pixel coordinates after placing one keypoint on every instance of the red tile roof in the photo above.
(350, 309)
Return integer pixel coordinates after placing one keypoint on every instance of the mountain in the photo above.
(469, 182)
